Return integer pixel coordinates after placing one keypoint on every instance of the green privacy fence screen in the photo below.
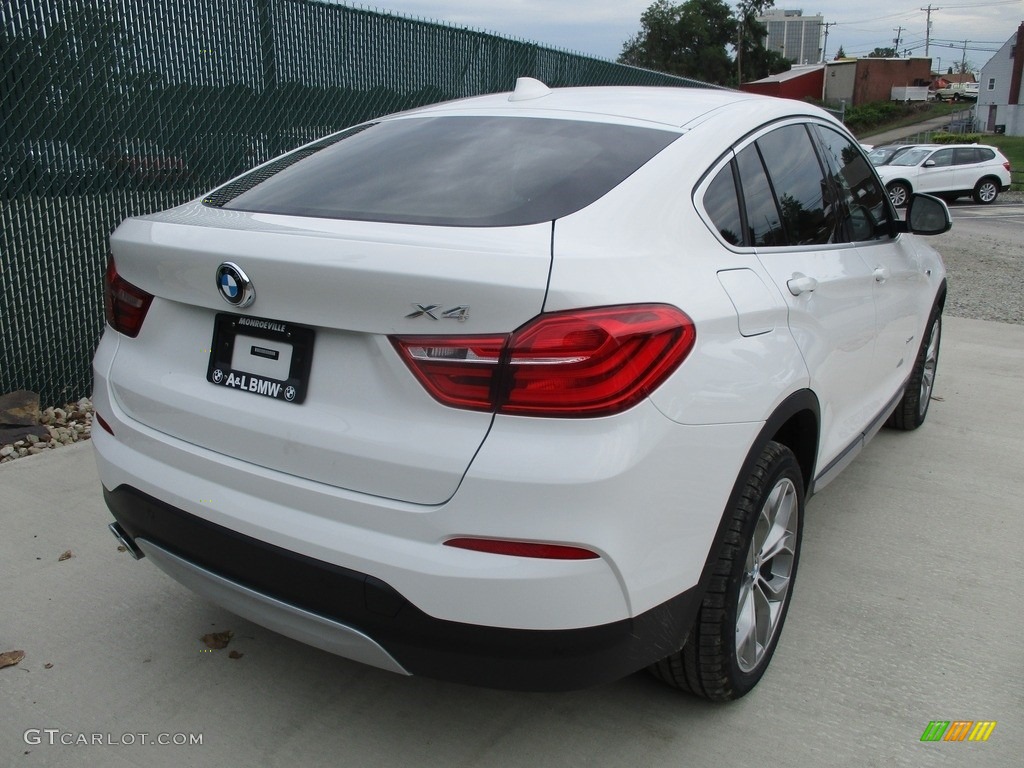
(110, 108)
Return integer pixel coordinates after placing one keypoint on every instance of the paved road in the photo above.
(908, 609)
(908, 131)
(998, 217)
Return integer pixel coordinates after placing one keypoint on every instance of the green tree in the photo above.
(840, 54)
(753, 60)
(688, 39)
(883, 53)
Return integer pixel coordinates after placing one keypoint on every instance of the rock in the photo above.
(7, 450)
(31, 439)
(19, 408)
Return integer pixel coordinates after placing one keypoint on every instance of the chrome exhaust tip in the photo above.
(126, 541)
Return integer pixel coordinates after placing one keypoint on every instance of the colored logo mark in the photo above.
(958, 730)
(228, 286)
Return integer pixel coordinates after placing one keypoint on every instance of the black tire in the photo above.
(715, 663)
(899, 193)
(986, 191)
(913, 407)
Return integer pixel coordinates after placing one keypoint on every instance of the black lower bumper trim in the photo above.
(515, 659)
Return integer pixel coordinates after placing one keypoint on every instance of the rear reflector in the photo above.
(103, 423)
(523, 549)
(125, 305)
(590, 362)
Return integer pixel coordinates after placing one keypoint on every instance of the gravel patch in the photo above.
(985, 267)
(65, 425)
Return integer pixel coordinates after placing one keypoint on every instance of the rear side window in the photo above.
(722, 205)
(763, 221)
(458, 171)
(800, 185)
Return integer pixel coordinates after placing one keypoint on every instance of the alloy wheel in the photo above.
(767, 575)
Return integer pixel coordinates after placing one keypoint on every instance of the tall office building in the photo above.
(795, 36)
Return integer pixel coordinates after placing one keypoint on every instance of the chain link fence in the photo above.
(112, 108)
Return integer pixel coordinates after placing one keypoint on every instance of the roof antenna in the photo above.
(527, 88)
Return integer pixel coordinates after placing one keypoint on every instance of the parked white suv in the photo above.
(947, 170)
(525, 390)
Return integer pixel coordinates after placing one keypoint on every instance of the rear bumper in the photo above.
(361, 617)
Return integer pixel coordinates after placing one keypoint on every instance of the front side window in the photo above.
(864, 213)
(942, 158)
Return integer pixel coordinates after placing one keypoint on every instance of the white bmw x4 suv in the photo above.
(526, 390)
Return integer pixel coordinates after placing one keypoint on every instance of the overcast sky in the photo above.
(599, 27)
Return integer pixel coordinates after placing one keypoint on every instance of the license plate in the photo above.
(263, 357)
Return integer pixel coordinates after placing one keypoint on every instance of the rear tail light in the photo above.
(125, 305)
(591, 362)
(1006, 165)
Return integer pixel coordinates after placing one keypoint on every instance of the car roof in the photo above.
(678, 107)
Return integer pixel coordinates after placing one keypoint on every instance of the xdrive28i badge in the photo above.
(234, 285)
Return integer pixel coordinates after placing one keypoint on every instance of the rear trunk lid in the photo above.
(339, 288)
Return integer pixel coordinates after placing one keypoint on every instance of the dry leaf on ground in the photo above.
(218, 640)
(235, 655)
(65, 555)
(10, 658)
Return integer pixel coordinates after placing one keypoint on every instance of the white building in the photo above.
(795, 36)
(1000, 101)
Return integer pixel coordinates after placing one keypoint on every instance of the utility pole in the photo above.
(963, 61)
(928, 27)
(824, 50)
(899, 33)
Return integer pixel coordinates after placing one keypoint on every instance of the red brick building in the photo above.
(798, 83)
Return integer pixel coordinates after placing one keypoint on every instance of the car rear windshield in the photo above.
(452, 171)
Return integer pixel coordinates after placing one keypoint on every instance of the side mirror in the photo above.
(927, 215)
(929, 164)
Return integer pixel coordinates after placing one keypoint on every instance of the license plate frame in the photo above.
(224, 368)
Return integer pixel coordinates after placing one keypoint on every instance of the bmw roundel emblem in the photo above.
(234, 286)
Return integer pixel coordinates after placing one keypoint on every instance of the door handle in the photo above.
(801, 284)
(881, 274)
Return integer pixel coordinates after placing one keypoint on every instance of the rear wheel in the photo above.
(986, 191)
(737, 628)
(913, 408)
(899, 193)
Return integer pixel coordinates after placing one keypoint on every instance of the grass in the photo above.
(1013, 148)
(912, 114)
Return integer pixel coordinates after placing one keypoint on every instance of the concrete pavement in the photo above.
(897, 135)
(907, 609)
